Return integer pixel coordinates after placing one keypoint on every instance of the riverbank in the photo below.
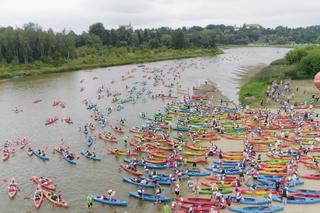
(291, 75)
(112, 58)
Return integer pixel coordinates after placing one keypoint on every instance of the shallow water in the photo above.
(75, 182)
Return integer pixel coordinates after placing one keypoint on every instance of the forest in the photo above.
(30, 43)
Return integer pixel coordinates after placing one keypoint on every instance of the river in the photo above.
(76, 181)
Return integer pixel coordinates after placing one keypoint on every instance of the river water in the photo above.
(87, 177)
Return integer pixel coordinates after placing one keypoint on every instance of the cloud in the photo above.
(79, 14)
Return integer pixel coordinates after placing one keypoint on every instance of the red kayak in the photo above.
(131, 171)
(198, 201)
(45, 183)
(12, 188)
(30, 152)
(311, 176)
(5, 155)
(117, 129)
(37, 200)
(51, 121)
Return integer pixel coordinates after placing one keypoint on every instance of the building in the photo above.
(127, 27)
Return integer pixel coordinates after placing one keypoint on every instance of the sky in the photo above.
(78, 15)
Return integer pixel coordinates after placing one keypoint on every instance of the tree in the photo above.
(295, 56)
(178, 40)
(99, 30)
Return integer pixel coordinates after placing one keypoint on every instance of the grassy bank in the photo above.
(299, 64)
(105, 58)
(258, 83)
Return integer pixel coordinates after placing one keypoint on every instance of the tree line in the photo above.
(31, 43)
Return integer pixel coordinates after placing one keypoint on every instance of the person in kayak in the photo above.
(238, 196)
(54, 196)
(140, 192)
(284, 195)
(37, 194)
(12, 182)
(269, 197)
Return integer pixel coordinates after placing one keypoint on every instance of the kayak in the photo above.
(197, 173)
(110, 202)
(95, 158)
(30, 152)
(305, 191)
(226, 178)
(296, 200)
(61, 203)
(228, 171)
(150, 197)
(118, 130)
(71, 161)
(131, 171)
(132, 181)
(161, 181)
(228, 163)
(252, 201)
(37, 202)
(5, 156)
(258, 192)
(121, 153)
(311, 176)
(198, 201)
(208, 190)
(89, 141)
(257, 209)
(40, 156)
(12, 189)
(49, 183)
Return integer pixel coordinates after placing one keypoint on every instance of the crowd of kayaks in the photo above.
(179, 147)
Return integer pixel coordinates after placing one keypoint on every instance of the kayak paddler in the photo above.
(89, 201)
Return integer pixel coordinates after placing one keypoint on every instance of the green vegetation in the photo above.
(32, 50)
(89, 58)
(301, 63)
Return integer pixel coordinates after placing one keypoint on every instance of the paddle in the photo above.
(26, 197)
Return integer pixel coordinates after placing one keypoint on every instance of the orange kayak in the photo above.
(57, 202)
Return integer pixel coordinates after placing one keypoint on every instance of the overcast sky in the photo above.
(79, 14)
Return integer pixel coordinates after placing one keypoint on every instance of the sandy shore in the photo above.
(236, 145)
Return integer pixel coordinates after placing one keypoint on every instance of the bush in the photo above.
(310, 65)
(295, 56)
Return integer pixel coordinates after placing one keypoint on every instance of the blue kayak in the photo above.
(89, 141)
(161, 181)
(85, 131)
(257, 209)
(96, 158)
(305, 191)
(150, 165)
(272, 181)
(228, 171)
(99, 199)
(132, 181)
(296, 200)
(228, 163)
(263, 185)
(150, 197)
(40, 156)
(197, 173)
(73, 161)
(251, 201)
